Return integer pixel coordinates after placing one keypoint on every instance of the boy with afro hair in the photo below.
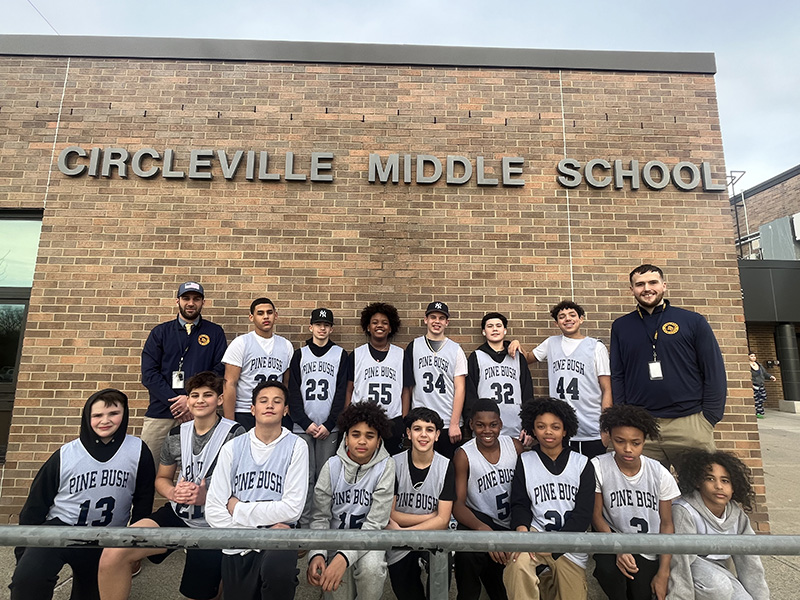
(551, 491)
(375, 370)
(355, 490)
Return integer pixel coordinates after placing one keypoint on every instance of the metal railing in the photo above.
(437, 542)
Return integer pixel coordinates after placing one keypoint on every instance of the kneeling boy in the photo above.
(484, 469)
(550, 466)
(424, 494)
(363, 469)
(191, 450)
(69, 489)
(268, 452)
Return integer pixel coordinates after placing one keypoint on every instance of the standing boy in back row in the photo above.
(253, 358)
(494, 373)
(317, 386)
(579, 373)
(435, 372)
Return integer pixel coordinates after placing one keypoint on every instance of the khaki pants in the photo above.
(154, 432)
(678, 436)
(563, 581)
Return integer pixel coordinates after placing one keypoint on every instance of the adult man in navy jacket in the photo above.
(173, 352)
(667, 360)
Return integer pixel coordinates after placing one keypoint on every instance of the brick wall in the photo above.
(113, 251)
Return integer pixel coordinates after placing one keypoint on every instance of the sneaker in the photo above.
(302, 553)
(760, 416)
(136, 568)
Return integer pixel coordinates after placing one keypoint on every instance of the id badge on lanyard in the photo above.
(654, 367)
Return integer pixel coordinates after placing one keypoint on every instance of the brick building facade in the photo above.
(113, 250)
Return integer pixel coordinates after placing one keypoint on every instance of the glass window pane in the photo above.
(19, 242)
(12, 322)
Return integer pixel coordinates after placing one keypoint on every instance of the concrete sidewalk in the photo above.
(780, 438)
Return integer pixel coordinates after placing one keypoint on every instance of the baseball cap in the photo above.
(191, 286)
(438, 307)
(322, 315)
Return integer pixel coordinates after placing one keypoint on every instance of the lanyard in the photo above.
(188, 342)
(654, 339)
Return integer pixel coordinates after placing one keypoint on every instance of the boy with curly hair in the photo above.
(355, 490)
(578, 372)
(551, 491)
(717, 495)
(633, 494)
(375, 370)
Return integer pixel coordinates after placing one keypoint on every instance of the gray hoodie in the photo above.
(749, 569)
(382, 496)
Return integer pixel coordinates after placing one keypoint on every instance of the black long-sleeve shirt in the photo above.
(694, 377)
(578, 519)
(473, 376)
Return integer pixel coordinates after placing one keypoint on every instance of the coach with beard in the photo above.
(173, 352)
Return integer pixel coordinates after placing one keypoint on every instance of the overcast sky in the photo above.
(758, 81)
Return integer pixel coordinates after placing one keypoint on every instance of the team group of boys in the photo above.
(375, 440)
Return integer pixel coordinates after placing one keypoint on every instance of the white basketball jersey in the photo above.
(318, 383)
(574, 379)
(628, 507)
(489, 486)
(194, 467)
(422, 499)
(260, 482)
(350, 502)
(553, 496)
(379, 382)
(500, 382)
(434, 377)
(258, 366)
(98, 494)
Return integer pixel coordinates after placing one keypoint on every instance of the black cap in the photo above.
(322, 315)
(191, 286)
(438, 307)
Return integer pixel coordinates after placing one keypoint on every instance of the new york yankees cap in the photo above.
(438, 307)
(322, 315)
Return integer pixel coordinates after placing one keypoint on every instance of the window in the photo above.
(19, 243)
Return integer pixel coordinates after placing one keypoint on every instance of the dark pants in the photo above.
(474, 569)
(394, 443)
(444, 447)
(37, 571)
(616, 585)
(589, 448)
(264, 575)
(406, 577)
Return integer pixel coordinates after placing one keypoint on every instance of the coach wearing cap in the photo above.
(173, 352)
